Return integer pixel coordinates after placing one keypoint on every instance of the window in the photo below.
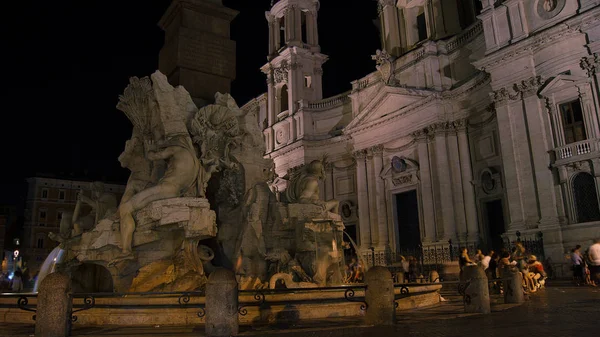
(282, 32)
(44, 193)
(59, 215)
(572, 119)
(304, 31)
(284, 98)
(586, 199)
(40, 242)
(478, 6)
(61, 195)
(307, 82)
(43, 214)
(422, 27)
(42, 224)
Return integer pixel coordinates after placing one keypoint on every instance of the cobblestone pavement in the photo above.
(555, 311)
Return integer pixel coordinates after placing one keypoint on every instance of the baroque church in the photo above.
(477, 127)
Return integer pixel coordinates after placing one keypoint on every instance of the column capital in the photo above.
(460, 125)
(529, 87)
(360, 154)
(376, 150)
(439, 128)
(270, 18)
(420, 135)
(591, 64)
(384, 3)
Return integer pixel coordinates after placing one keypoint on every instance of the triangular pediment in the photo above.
(386, 103)
(562, 82)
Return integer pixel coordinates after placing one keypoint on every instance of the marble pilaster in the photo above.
(382, 222)
(427, 201)
(467, 177)
(372, 195)
(444, 180)
(364, 228)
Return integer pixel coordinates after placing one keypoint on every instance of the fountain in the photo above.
(199, 197)
(55, 257)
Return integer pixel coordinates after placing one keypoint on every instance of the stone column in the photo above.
(379, 295)
(467, 177)
(54, 304)
(310, 28)
(273, 33)
(318, 83)
(329, 185)
(363, 201)
(589, 112)
(541, 144)
(457, 190)
(382, 221)
(222, 304)
(272, 101)
(429, 234)
(444, 180)
(372, 193)
(509, 162)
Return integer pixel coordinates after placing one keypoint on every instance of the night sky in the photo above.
(66, 62)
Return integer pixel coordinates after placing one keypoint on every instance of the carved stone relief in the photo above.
(547, 9)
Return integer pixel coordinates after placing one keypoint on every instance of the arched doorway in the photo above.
(586, 198)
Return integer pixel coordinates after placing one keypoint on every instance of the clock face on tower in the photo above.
(398, 164)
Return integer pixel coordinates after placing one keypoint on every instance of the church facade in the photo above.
(477, 127)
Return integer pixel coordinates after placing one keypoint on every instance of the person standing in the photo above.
(17, 282)
(594, 256)
(577, 261)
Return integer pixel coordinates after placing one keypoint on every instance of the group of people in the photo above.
(532, 271)
(15, 284)
(355, 272)
(586, 265)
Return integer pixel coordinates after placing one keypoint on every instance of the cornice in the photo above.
(519, 90)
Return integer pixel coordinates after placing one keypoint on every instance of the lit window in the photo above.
(572, 118)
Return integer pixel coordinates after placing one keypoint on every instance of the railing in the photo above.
(577, 149)
(331, 102)
(465, 37)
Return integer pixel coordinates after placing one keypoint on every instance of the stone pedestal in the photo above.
(222, 304)
(477, 294)
(379, 296)
(513, 288)
(198, 53)
(54, 302)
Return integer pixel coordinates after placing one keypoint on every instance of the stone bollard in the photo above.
(513, 287)
(54, 303)
(222, 304)
(379, 295)
(477, 293)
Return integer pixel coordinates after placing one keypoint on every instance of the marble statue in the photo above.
(179, 177)
(304, 187)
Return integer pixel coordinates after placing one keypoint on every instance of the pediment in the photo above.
(562, 82)
(386, 103)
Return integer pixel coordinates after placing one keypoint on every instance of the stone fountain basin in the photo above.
(293, 305)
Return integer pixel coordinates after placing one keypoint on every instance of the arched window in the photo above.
(586, 199)
(282, 41)
(284, 98)
(304, 27)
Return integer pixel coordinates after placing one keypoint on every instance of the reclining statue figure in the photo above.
(304, 187)
(180, 176)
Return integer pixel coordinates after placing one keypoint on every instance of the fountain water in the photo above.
(359, 257)
(55, 257)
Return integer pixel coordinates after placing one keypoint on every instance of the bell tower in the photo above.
(294, 68)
